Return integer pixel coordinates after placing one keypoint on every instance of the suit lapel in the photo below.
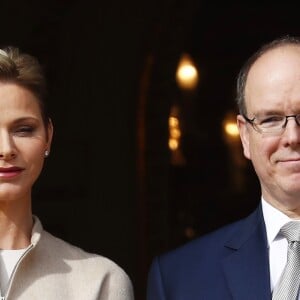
(247, 267)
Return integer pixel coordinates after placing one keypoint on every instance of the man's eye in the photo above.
(271, 120)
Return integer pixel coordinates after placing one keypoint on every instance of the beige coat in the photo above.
(52, 269)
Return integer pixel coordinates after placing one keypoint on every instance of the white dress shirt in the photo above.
(274, 220)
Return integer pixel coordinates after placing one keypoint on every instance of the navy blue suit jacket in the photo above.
(230, 263)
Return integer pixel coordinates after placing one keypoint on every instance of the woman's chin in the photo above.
(10, 193)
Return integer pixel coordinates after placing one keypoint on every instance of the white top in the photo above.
(8, 260)
(274, 220)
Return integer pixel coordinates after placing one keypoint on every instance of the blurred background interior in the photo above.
(146, 155)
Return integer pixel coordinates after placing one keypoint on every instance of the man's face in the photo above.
(273, 87)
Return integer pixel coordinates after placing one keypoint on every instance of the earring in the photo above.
(47, 153)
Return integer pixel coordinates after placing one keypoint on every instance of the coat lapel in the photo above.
(247, 267)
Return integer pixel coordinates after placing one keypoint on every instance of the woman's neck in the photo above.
(15, 226)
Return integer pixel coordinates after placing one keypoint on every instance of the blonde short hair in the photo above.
(24, 70)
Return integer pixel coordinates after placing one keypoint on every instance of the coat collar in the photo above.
(247, 267)
(36, 231)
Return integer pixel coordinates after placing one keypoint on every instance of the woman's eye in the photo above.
(24, 130)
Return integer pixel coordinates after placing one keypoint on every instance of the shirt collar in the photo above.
(274, 220)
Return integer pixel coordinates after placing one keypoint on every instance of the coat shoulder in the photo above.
(93, 267)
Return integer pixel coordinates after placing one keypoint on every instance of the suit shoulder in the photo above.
(207, 245)
(198, 265)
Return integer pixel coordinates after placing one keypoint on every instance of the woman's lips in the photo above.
(10, 172)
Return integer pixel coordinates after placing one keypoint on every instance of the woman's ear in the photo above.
(49, 135)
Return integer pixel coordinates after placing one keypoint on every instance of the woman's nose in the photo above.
(7, 148)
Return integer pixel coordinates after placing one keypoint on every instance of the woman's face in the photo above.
(23, 142)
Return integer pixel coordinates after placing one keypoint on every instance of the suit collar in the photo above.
(247, 228)
(246, 268)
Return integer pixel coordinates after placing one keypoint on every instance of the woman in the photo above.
(33, 263)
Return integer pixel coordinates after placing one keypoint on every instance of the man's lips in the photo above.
(290, 160)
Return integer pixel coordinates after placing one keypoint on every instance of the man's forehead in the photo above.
(271, 56)
(275, 64)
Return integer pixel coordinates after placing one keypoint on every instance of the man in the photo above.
(247, 259)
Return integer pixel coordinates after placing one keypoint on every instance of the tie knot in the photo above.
(291, 231)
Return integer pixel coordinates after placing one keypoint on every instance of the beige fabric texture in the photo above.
(54, 269)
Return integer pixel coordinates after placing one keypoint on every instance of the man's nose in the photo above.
(7, 147)
(292, 132)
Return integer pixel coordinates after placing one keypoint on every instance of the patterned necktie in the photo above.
(288, 285)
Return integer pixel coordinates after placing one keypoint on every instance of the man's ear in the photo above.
(244, 135)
